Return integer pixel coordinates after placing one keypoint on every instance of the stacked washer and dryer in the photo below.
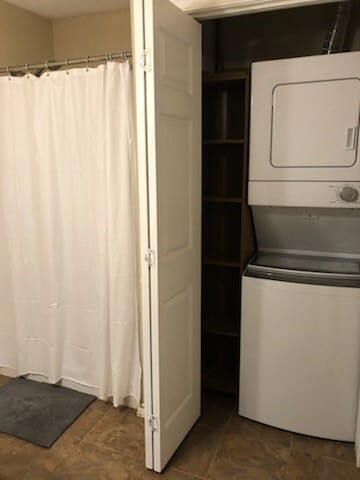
(300, 330)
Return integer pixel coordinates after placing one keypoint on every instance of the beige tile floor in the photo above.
(107, 444)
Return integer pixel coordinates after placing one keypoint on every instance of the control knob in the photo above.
(349, 194)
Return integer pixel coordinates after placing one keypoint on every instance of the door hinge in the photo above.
(145, 60)
(153, 423)
(150, 258)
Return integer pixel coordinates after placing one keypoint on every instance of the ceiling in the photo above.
(68, 8)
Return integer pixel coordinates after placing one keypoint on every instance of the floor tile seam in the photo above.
(222, 434)
(64, 460)
(117, 452)
(94, 426)
(234, 409)
(315, 457)
(259, 439)
(202, 425)
(339, 460)
(179, 470)
(126, 457)
(288, 457)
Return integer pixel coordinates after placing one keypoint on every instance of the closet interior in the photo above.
(230, 45)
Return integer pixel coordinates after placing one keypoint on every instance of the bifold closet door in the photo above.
(167, 62)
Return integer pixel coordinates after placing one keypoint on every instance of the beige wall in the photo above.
(94, 34)
(24, 37)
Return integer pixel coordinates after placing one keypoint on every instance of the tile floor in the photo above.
(107, 444)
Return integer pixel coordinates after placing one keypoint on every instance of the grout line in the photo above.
(188, 474)
(230, 417)
(340, 460)
(95, 424)
(209, 427)
(222, 434)
(128, 456)
(288, 458)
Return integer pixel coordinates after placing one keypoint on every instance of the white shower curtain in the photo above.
(68, 285)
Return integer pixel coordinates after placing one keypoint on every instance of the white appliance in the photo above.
(300, 344)
(304, 131)
(300, 323)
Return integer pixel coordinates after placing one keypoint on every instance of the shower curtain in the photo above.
(68, 283)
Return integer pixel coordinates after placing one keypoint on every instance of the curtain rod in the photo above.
(48, 65)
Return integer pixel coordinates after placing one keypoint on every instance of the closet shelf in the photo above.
(221, 262)
(224, 325)
(233, 141)
(225, 78)
(221, 379)
(215, 199)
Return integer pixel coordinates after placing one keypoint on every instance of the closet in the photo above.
(230, 45)
(175, 158)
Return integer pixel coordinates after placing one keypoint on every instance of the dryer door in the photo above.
(315, 124)
(305, 119)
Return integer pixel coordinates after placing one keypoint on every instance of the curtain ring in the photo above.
(27, 70)
(9, 73)
(47, 68)
(67, 66)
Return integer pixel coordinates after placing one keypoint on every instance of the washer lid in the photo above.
(311, 264)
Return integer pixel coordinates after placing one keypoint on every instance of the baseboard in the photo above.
(140, 412)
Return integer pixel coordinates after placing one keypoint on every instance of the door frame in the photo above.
(201, 10)
(138, 46)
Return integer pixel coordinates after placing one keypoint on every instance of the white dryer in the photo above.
(304, 131)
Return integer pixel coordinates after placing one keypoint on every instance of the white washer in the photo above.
(300, 344)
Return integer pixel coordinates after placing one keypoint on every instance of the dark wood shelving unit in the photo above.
(228, 237)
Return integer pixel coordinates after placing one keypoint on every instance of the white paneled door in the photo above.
(167, 62)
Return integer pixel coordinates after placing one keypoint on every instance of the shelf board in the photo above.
(213, 199)
(231, 141)
(221, 379)
(224, 325)
(225, 77)
(222, 262)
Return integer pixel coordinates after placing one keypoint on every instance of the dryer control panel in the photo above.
(349, 194)
(305, 194)
(346, 194)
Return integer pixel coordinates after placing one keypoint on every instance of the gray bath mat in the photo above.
(38, 412)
